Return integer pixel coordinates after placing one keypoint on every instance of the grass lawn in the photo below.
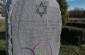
(2, 25)
(2, 37)
(66, 49)
(72, 50)
(81, 19)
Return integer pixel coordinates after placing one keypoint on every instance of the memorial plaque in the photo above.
(33, 27)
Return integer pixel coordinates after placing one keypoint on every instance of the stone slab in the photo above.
(33, 27)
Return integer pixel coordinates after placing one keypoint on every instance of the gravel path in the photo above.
(1, 17)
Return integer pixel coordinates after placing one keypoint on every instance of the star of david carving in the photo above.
(41, 9)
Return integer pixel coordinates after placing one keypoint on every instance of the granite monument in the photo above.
(33, 27)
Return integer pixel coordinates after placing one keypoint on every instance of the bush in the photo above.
(76, 24)
(73, 35)
(64, 12)
(2, 52)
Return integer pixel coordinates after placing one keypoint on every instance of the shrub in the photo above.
(64, 12)
(73, 35)
(76, 24)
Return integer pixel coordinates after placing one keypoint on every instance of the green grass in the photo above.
(2, 29)
(2, 44)
(66, 49)
(2, 47)
(78, 20)
(2, 37)
(2, 25)
(72, 50)
(81, 19)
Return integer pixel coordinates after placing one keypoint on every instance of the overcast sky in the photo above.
(76, 4)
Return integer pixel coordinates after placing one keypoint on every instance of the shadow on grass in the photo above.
(2, 35)
(2, 52)
(68, 43)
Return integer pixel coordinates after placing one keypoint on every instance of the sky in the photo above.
(72, 4)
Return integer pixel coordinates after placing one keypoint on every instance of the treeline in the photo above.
(77, 13)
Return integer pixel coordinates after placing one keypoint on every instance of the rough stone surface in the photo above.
(33, 27)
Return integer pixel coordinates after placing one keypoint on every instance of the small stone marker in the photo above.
(33, 27)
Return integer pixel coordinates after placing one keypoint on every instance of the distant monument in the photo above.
(33, 27)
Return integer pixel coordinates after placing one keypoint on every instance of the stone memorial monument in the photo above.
(33, 27)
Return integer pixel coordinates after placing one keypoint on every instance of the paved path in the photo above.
(1, 17)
